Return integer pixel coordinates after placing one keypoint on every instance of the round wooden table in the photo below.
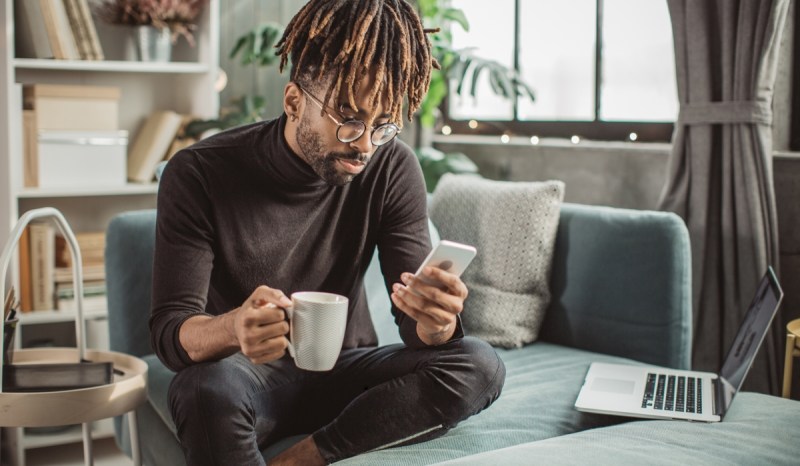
(80, 406)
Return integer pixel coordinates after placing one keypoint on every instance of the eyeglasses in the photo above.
(351, 129)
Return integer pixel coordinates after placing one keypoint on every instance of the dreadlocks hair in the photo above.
(341, 38)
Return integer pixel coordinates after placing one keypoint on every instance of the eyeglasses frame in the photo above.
(339, 124)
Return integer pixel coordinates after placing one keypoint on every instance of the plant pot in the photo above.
(152, 44)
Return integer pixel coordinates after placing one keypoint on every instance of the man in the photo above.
(253, 214)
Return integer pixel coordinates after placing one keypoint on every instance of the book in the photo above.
(25, 286)
(91, 30)
(30, 32)
(90, 303)
(91, 244)
(78, 28)
(66, 290)
(59, 31)
(151, 144)
(90, 273)
(30, 150)
(43, 252)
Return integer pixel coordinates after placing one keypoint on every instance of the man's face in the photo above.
(334, 161)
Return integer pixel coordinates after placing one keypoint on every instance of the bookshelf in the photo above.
(185, 85)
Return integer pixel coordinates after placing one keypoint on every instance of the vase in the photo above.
(152, 44)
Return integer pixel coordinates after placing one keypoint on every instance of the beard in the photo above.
(325, 163)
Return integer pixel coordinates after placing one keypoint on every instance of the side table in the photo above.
(792, 351)
(81, 406)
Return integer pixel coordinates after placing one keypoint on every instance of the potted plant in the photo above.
(157, 24)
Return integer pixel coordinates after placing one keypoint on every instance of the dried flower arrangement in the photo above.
(176, 15)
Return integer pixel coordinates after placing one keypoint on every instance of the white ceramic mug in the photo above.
(317, 322)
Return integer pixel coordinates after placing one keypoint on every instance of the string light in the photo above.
(575, 139)
(534, 140)
(447, 130)
(633, 136)
(505, 139)
(473, 124)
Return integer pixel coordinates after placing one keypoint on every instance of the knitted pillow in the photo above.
(513, 225)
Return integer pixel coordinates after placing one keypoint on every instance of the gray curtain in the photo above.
(720, 169)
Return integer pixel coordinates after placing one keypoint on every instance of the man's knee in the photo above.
(207, 387)
(478, 373)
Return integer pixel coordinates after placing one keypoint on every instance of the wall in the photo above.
(237, 18)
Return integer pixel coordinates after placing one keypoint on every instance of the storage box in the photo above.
(68, 107)
(79, 159)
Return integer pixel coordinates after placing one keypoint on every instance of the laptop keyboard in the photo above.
(673, 393)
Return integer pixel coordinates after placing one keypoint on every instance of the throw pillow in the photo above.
(513, 225)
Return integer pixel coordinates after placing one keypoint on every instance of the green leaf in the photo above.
(454, 14)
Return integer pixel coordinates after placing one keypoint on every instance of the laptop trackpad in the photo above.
(622, 387)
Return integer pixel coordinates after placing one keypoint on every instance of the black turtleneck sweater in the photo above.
(240, 209)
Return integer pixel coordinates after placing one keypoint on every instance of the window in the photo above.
(625, 85)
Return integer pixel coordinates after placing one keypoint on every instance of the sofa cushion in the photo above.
(758, 429)
(542, 383)
(513, 225)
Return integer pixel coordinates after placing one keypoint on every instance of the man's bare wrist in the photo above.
(436, 338)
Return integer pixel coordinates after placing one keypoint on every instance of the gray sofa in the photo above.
(621, 292)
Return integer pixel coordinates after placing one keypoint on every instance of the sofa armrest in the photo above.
(621, 284)
(130, 240)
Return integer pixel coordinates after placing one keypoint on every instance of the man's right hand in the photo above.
(260, 325)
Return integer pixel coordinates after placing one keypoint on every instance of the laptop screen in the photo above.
(752, 331)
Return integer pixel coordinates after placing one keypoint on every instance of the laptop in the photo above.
(661, 393)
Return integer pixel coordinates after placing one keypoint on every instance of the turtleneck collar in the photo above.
(286, 167)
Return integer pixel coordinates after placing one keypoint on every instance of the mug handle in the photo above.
(289, 314)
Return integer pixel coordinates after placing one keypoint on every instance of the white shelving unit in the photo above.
(185, 85)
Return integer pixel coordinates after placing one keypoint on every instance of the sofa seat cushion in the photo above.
(758, 429)
(542, 383)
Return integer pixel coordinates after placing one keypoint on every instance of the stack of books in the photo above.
(92, 246)
(60, 29)
(46, 275)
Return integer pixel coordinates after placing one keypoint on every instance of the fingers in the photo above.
(268, 350)
(421, 309)
(264, 295)
(449, 296)
(261, 325)
(450, 281)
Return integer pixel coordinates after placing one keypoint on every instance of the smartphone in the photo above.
(449, 256)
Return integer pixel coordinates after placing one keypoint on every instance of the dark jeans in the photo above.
(373, 398)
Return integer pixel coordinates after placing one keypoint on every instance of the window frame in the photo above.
(595, 129)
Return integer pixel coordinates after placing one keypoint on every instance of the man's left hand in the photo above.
(433, 303)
